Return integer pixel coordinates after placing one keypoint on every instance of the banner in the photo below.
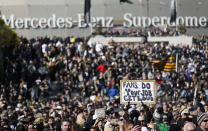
(173, 11)
(165, 64)
(137, 91)
(54, 21)
(87, 7)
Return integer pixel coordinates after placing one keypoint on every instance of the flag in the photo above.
(87, 7)
(165, 64)
(173, 11)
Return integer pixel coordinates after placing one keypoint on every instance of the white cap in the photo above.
(17, 109)
(19, 105)
(59, 108)
(94, 117)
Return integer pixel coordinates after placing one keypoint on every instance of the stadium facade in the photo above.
(66, 17)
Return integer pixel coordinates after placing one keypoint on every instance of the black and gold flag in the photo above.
(165, 64)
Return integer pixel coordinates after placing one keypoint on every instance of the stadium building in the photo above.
(66, 17)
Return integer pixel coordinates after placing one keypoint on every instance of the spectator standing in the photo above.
(189, 126)
(202, 121)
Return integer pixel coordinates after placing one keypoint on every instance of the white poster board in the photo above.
(137, 91)
(100, 113)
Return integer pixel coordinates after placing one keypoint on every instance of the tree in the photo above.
(8, 40)
(182, 29)
(99, 28)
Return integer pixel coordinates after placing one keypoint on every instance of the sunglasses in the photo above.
(205, 120)
(187, 114)
(141, 121)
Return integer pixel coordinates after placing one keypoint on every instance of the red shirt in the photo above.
(101, 68)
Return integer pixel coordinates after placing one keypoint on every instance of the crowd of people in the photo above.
(86, 79)
(137, 32)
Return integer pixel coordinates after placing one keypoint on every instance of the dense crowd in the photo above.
(86, 78)
(138, 32)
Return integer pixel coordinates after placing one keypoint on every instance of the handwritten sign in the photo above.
(100, 113)
(137, 91)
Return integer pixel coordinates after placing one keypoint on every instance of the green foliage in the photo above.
(7, 35)
(8, 40)
(182, 29)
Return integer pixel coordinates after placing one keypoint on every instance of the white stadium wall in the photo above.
(67, 12)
